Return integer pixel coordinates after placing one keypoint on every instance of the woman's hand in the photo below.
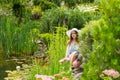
(64, 59)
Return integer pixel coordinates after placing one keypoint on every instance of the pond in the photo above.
(5, 65)
(10, 64)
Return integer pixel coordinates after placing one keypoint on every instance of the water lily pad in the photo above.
(19, 62)
(8, 71)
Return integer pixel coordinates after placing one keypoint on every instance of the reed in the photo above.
(17, 40)
(56, 51)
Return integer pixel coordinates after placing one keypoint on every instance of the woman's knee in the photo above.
(73, 56)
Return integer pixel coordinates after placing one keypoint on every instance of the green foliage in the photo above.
(16, 40)
(66, 17)
(60, 17)
(105, 50)
(111, 10)
(57, 2)
(99, 39)
(16, 7)
(75, 19)
(44, 4)
(71, 3)
(50, 18)
(46, 37)
(56, 51)
(86, 41)
(92, 15)
(103, 54)
(14, 1)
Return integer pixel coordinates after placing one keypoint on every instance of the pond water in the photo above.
(10, 64)
(5, 65)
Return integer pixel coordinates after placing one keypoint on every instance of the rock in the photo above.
(39, 54)
(41, 49)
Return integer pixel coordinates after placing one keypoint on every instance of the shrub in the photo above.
(66, 17)
(59, 17)
(44, 4)
(71, 3)
(86, 41)
(105, 51)
(105, 35)
(103, 54)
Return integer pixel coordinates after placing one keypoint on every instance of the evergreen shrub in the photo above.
(105, 50)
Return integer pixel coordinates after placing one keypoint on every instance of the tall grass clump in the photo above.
(17, 40)
(56, 51)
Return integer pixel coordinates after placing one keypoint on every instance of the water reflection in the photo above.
(5, 65)
(10, 64)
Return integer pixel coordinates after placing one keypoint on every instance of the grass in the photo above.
(17, 40)
(56, 51)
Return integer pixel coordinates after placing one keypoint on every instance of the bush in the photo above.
(71, 3)
(44, 4)
(66, 17)
(86, 41)
(105, 51)
(102, 55)
(59, 17)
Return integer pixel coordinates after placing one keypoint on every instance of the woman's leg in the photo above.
(73, 57)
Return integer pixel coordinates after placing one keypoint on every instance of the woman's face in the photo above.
(74, 34)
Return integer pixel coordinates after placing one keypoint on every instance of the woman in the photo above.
(72, 46)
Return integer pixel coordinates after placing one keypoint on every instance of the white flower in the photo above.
(18, 67)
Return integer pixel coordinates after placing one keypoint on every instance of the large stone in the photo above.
(41, 49)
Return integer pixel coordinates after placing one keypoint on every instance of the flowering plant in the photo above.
(110, 74)
(44, 77)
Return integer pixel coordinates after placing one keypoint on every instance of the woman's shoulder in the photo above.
(68, 42)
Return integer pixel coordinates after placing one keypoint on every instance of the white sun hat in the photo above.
(69, 31)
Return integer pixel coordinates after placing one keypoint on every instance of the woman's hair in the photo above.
(70, 40)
